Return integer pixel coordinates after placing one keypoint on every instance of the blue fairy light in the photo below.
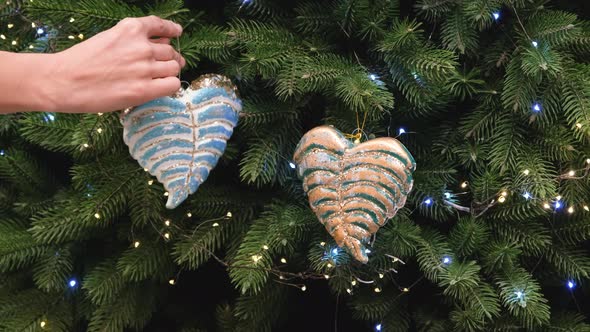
(40, 31)
(378, 327)
(496, 16)
(335, 251)
(373, 77)
(558, 205)
(428, 201)
(72, 283)
(535, 44)
(48, 117)
(402, 131)
(447, 260)
(518, 294)
(292, 165)
(537, 107)
(447, 195)
(2, 153)
(571, 284)
(527, 195)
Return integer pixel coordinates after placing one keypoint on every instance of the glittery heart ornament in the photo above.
(353, 188)
(179, 139)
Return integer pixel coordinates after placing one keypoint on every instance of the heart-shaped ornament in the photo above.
(353, 188)
(179, 139)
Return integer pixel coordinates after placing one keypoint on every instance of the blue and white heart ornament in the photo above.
(179, 139)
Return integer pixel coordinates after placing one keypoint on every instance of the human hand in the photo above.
(118, 68)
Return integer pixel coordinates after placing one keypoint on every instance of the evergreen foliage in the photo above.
(494, 99)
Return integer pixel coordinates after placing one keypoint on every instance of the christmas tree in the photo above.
(491, 97)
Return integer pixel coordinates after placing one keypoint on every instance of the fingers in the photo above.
(166, 53)
(163, 69)
(160, 87)
(157, 27)
(165, 41)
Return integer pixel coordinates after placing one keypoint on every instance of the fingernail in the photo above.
(179, 27)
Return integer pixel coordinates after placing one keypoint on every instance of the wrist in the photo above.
(47, 87)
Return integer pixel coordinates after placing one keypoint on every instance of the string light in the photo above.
(33, 24)
(367, 251)
(43, 323)
(353, 282)
(167, 236)
(502, 199)
(2, 153)
(292, 165)
(326, 276)
(428, 201)
(2, 36)
(322, 243)
(401, 131)
(579, 125)
(535, 44)
(31, 46)
(335, 251)
(527, 195)
(215, 224)
(166, 194)
(447, 260)
(586, 208)
(265, 247)
(377, 290)
(329, 265)
(189, 214)
(99, 130)
(572, 173)
(71, 37)
(81, 36)
(72, 283)
(558, 197)
(518, 294)
(373, 77)
(229, 215)
(571, 284)
(349, 291)
(447, 195)
(99, 114)
(526, 172)
(85, 145)
(172, 282)
(167, 222)
(546, 206)
(14, 42)
(97, 215)
(72, 20)
(256, 258)
(558, 205)
(537, 107)
(283, 260)
(303, 288)
(588, 161)
(136, 244)
(47, 117)
(10, 25)
(405, 290)
(464, 185)
(40, 31)
(150, 182)
(378, 327)
(496, 16)
(504, 193)
(570, 210)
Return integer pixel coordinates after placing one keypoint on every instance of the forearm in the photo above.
(25, 82)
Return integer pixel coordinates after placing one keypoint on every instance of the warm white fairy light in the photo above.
(72, 20)
(97, 215)
(99, 114)
(86, 145)
(31, 46)
(150, 182)
(256, 258)
(99, 130)
(265, 247)
(229, 215)
(558, 197)
(572, 173)
(166, 194)
(2, 36)
(167, 222)
(136, 244)
(586, 208)
(33, 25)
(172, 282)
(464, 185)
(349, 291)
(303, 288)
(381, 275)
(546, 206)
(405, 289)
(322, 243)
(167, 236)
(10, 25)
(570, 210)
(579, 125)
(43, 323)
(14, 42)
(526, 172)
(588, 161)
(71, 37)
(216, 224)
(501, 199)
(189, 214)
(353, 282)
(326, 276)
(504, 193)
(81, 36)
(281, 277)
(284, 260)
(329, 265)
(377, 290)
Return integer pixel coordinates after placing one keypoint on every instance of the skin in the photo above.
(127, 65)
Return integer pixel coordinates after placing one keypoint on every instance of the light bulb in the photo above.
(335, 251)
(303, 288)
(322, 244)
(167, 235)
(136, 244)
(353, 282)
(579, 125)
(72, 19)
(504, 193)
(42, 324)
(571, 284)
(381, 275)
(446, 260)
(326, 276)
(428, 201)
(40, 31)
(572, 173)
(570, 210)
(166, 194)
(501, 199)
(378, 327)
(292, 165)
(283, 260)
(2, 36)
(518, 294)
(496, 15)
(10, 25)
(189, 214)
(527, 195)
(167, 222)
(99, 130)
(229, 215)
(72, 283)
(402, 131)
(171, 281)
(535, 44)
(526, 172)
(537, 107)
(97, 215)
(546, 206)
(349, 291)
(464, 185)
(215, 224)
(405, 290)
(377, 290)
(586, 208)
(265, 247)
(150, 182)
